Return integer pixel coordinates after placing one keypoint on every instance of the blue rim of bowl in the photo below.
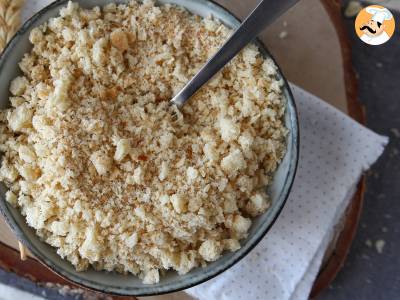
(91, 285)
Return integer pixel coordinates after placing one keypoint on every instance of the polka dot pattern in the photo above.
(334, 152)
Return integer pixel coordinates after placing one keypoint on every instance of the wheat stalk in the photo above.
(10, 18)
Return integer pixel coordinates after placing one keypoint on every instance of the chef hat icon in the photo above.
(379, 14)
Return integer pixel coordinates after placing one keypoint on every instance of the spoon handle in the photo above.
(264, 14)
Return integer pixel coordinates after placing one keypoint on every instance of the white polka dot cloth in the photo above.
(335, 151)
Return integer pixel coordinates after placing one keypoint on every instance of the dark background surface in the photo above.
(367, 274)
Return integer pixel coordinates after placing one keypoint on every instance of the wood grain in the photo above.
(337, 258)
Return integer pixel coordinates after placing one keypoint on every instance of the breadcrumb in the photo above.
(101, 169)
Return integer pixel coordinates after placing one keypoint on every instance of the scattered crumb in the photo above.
(396, 132)
(285, 24)
(352, 9)
(387, 216)
(283, 34)
(384, 229)
(379, 245)
(119, 40)
(379, 65)
(368, 243)
(365, 256)
(67, 291)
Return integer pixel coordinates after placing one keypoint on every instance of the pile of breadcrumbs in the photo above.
(102, 170)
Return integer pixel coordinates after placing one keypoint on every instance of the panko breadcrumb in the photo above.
(102, 169)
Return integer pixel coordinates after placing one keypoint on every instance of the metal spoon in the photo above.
(264, 14)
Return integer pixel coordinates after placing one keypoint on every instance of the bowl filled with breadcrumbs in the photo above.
(105, 185)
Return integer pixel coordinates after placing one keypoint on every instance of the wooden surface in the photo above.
(310, 55)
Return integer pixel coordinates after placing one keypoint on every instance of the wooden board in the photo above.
(313, 53)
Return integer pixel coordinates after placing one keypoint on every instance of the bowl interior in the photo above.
(130, 285)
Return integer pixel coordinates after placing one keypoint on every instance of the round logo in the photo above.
(375, 25)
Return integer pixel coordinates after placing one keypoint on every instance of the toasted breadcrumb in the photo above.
(101, 169)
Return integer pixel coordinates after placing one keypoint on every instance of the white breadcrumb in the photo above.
(241, 224)
(20, 118)
(233, 163)
(123, 149)
(11, 198)
(179, 203)
(104, 172)
(132, 240)
(229, 130)
(258, 203)
(231, 244)
(191, 174)
(210, 250)
(18, 86)
(151, 277)
(101, 162)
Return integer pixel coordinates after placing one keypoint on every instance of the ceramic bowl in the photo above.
(110, 282)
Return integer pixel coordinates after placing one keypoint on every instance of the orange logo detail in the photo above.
(375, 25)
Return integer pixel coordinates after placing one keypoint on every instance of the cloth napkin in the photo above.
(334, 152)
